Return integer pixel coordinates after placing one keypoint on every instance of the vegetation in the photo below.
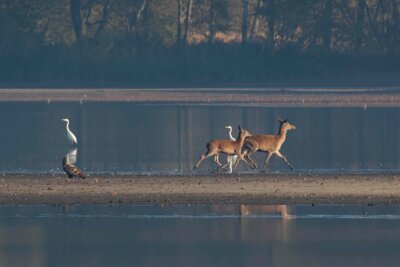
(198, 42)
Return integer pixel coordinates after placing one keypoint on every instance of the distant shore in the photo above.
(382, 189)
(271, 97)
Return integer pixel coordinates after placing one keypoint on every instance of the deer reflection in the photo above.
(281, 210)
(278, 229)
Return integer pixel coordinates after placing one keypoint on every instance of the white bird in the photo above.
(71, 136)
(231, 159)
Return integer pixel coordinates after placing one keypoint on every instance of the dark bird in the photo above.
(71, 170)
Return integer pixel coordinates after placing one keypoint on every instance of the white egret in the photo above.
(231, 159)
(71, 136)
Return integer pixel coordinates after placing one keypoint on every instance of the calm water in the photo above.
(115, 137)
(199, 236)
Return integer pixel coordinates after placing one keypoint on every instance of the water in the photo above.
(136, 138)
(199, 236)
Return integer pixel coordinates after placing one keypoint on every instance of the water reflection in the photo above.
(28, 241)
(71, 170)
(199, 236)
(127, 137)
(71, 156)
(281, 230)
(281, 210)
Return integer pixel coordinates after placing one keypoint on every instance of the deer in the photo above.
(270, 144)
(228, 147)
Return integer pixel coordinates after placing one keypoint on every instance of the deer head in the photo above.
(243, 132)
(285, 125)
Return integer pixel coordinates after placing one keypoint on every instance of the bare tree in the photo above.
(75, 8)
(187, 20)
(377, 23)
(179, 24)
(255, 20)
(271, 23)
(211, 24)
(327, 26)
(395, 25)
(245, 4)
(86, 17)
(360, 23)
(103, 21)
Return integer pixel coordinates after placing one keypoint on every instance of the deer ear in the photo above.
(280, 120)
(285, 120)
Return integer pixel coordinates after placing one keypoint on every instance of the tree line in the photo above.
(139, 42)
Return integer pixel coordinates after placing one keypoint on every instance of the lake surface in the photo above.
(199, 236)
(148, 138)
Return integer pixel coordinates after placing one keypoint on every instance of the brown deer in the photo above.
(271, 144)
(227, 147)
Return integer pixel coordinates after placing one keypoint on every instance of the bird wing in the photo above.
(72, 138)
(72, 171)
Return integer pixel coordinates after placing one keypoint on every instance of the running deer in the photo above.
(227, 147)
(271, 144)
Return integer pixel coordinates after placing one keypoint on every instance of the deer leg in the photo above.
(240, 157)
(203, 157)
(248, 154)
(279, 154)
(252, 161)
(224, 166)
(216, 159)
(266, 160)
(243, 158)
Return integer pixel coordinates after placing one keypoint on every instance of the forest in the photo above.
(199, 43)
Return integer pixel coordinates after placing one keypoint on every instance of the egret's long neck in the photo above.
(230, 135)
(67, 126)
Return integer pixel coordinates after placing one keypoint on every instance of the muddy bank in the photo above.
(207, 189)
(272, 97)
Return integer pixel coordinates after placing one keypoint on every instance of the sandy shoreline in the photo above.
(202, 189)
(289, 97)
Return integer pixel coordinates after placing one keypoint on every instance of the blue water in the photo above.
(199, 236)
(148, 138)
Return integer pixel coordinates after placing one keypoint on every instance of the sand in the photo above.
(271, 97)
(203, 189)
